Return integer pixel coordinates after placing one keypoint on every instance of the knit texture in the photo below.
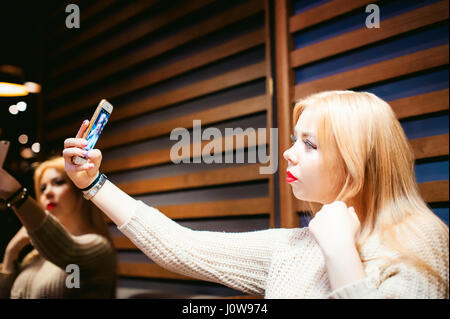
(45, 275)
(279, 263)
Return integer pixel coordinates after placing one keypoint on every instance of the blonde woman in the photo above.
(69, 235)
(371, 235)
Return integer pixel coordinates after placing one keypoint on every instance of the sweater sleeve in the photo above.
(57, 245)
(6, 283)
(237, 260)
(398, 281)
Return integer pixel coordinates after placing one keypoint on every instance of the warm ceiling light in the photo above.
(32, 87)
(12, 89)
(11, 81)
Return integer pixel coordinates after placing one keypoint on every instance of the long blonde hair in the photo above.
(360, 133)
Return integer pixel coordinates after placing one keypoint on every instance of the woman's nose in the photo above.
(290, 156)
(49, 192)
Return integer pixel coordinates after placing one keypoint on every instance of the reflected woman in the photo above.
(69, 237)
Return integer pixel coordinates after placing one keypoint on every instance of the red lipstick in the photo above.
(50, 206)
(290, 178)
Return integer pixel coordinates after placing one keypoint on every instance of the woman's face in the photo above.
(309, 177)
(57, 195)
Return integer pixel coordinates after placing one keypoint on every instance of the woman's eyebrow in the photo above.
(305, 134)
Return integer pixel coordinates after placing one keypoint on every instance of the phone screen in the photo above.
(97, 128)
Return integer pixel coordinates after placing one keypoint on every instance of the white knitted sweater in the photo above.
(278, 263)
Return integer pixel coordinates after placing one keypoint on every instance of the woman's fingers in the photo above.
(73, 151)
(83, 167)
(75, 142)
(82, 129)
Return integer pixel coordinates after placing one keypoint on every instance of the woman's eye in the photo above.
(309, 145)
(42, 188)
(60, 182)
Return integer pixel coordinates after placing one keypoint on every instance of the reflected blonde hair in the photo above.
(359, 132)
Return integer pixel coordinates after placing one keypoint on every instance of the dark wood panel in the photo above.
(324, 12)
(132, 9)
(85, 13)
(415, 62)
(229, 208)
(238, 174)
(391, 27)
(436, 191)
(237, 109)
(227, 80)
(245, 107)
(184, 36)
(137, 32)
(147, 270)
(284, 83)
(177, 68)
(163, 156)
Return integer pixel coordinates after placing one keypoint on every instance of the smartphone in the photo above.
(96, 125)
(4, 146)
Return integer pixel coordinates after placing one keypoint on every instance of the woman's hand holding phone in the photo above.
(81, 175)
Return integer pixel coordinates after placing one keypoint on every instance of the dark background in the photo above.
(20, 22)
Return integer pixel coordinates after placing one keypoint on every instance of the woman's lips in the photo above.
(290, 178)
(51, 206)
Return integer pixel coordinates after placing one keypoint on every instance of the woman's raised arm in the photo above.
(115, 203)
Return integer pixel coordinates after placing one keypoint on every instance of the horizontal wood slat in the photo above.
(163, 156)
(391, 27)
(421, 104)
(227, 80)
(221, 113)
(385, 70)
(436, 191)
(87, 12)
(228, 208)
(432, 192)
(133, 269)
(431, 146)
(241, 108)
(190, 63)
(324, 12)
(237, 207)
(132, 9)
(238, 174)
(138, 31)
(215, 23)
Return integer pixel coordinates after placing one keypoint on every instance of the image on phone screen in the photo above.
(96, 129)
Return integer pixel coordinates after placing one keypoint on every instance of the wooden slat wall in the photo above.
(163, 64)
(327, 46)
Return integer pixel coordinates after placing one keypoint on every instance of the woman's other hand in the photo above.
(81, 175)
(8, 185)
(335, 228)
